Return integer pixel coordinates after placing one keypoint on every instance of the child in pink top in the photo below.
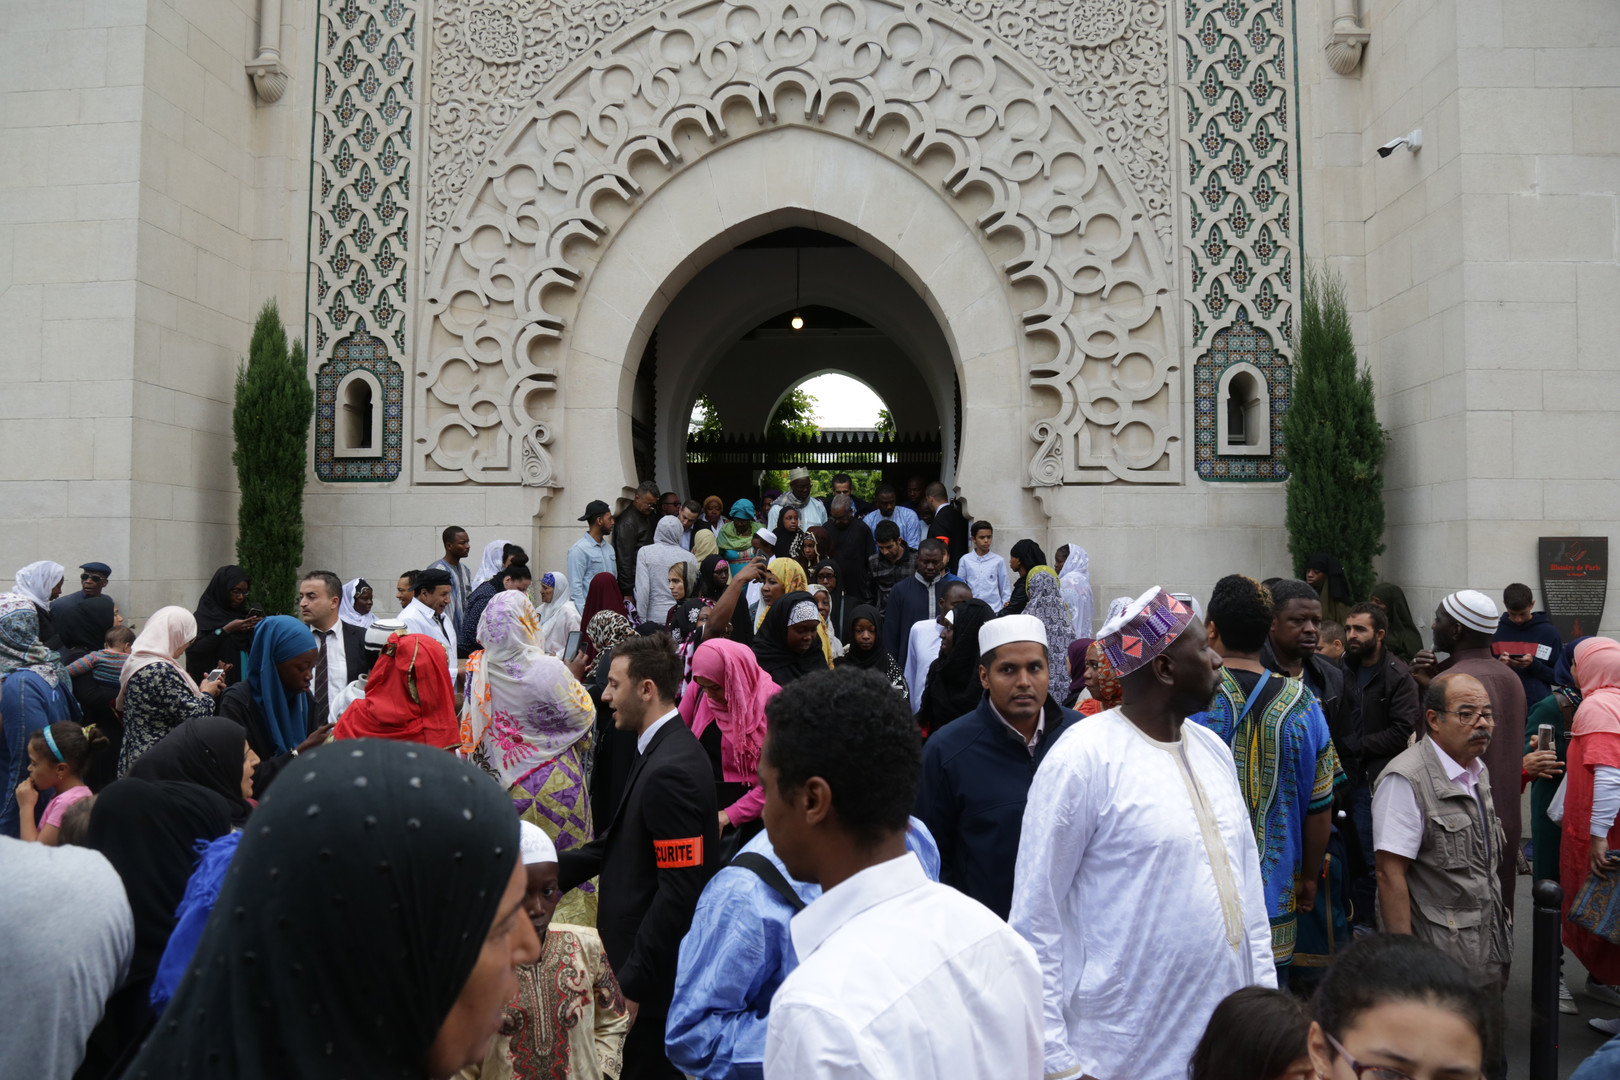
(57, 756)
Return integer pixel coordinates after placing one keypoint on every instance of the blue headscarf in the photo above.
(1562, 675)
(286, 715)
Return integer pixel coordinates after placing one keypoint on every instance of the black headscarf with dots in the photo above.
(352, 915)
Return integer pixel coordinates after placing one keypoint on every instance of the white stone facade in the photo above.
(1093, 209)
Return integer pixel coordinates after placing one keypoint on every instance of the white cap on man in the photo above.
(1009, 629)
(1473, 609)
(534, 845)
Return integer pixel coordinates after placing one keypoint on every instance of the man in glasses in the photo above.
(93, 577)
(1439, 841)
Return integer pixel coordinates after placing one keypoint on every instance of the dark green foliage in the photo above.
(1333, 442)
(796, 416)
(274, 404)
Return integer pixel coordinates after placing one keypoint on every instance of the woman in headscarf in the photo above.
(790, 643)
(66, 935)
(211, 752)
(224, 631)
(1404, 639)
(823, 599)
(557, 615)
(706, 532)
(156, 693)
(1102, 682)
(409, 696)
(826, 574)
(603, 595)
(149, 831)
(736, 537)
(728, 717)
(789, 536)
(34, 692)
(41, 582)
(686, 618)
(380, 902)
(865, 650)
(493, 561)
(1076, 581)
(612, 751)
(527, 722)
(652, 569)
(683, 586)
(782, 576)
(1046, 604)
(356, 606)
(272, 703)
(1025, 556)
(1593, 769)
(1324, 573)
(713, 577)
(953, 688)
(817, 544)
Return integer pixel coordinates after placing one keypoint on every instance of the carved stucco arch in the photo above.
(925, 89)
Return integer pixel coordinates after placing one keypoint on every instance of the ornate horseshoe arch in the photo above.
(1050, 203)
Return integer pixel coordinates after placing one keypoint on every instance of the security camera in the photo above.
(1412, 140)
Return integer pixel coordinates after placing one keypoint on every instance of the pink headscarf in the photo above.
(161, 641)
(742, 719)
(1597, 669)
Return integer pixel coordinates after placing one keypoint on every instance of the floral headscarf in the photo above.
(20, 647)
(1046, 604)
(606, 629)
(523, 707)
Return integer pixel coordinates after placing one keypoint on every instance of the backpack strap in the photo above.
(770, 875)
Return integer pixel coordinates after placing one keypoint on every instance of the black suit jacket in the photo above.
(354, 651)
(950, 526)
(654, 860)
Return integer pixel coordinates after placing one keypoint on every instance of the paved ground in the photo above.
(1575, 1040)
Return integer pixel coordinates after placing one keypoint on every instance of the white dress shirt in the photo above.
(1397, 824)
(419, 619)
(337, 667)
(652, 729)
(901, 977)
(922, 649)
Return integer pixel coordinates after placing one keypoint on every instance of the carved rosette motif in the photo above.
(1112, 57)
(502, 284)
(1238, 236)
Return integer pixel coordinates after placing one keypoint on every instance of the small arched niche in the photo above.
(360, 416)
(1243, 413)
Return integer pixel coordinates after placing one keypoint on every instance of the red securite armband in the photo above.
(678, 854)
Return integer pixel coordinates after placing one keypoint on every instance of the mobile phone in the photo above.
(256, 610)
(217, 673)
(572, 649)
(1546, 738)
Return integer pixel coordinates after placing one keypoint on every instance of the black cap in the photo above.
(432, 579)
(97, 568)
(595, 509)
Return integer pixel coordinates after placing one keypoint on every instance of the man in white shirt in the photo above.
(927, 635)
(342, 657)
(1138, 879)
(811, 511)
(898, 976)
(426, 613)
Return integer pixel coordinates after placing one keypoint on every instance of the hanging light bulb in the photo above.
(798, 321)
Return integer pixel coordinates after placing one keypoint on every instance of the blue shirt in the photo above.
(911, 526)
(27, 704)
(586, 559)
(733, 959)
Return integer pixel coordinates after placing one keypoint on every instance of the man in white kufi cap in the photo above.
(976, 770)
(811, 511)
(1464, 625)
(1138, 881)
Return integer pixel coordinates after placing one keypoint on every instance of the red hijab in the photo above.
(409, 697)
(603, 595)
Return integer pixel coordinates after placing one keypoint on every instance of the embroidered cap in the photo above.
(804, 612)
(534, 846)
(1147, 627)
(1473, 609)
(801, 473)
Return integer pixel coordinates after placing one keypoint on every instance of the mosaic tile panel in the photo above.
(1239, 342)
(359, 351)
(1240, 210)
(360, 225)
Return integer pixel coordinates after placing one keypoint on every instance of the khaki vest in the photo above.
(1455, 892)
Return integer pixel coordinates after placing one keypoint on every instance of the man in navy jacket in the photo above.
(1528, 642)
(977, 770)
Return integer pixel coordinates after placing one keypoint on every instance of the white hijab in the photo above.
(346, 609)
(559, 617)
(491, 564)
(1076, 582)
(37, 579)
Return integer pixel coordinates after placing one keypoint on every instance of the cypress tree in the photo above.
(1333, 442)
(274, 404)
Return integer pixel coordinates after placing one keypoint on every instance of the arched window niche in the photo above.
(1243, 413)
(360, 416)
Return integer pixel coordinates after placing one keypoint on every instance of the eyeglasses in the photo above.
(1469, 716)
(1375, 1072)
(95, 579)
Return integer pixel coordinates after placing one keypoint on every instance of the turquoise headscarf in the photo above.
(286, 714)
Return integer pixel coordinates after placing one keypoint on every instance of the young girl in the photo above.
(57, 756)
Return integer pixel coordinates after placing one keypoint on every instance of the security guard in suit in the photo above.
(658, 852)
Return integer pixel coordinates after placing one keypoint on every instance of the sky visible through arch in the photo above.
(843, 402)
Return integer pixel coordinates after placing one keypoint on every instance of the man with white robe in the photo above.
(1138, 880)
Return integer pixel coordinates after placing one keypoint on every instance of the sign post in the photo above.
(1574, 582)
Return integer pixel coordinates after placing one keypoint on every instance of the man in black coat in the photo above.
(949, 523)
(852, 545)
(632, 531)
(342, 645)
(657, 853)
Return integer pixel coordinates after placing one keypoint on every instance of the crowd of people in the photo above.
(808, 788)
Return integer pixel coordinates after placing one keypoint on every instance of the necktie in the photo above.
(319, 689)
